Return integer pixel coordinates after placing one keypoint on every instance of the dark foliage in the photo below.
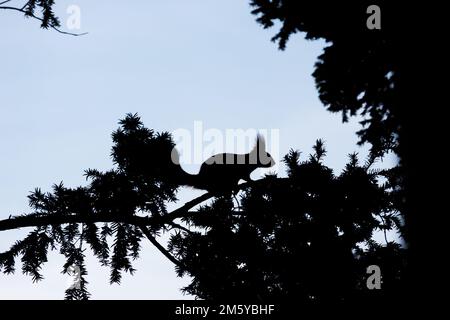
(307, 237)
(359, 70)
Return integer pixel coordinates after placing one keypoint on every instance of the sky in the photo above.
(175, 63)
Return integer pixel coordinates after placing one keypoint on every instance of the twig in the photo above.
(46, 220)
(40, 19)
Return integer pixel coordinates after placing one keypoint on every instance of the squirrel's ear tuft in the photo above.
(260, 143)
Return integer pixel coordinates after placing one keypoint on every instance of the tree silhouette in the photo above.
(31, 9)
(308, 236)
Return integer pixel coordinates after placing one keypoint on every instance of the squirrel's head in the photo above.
(259, 155)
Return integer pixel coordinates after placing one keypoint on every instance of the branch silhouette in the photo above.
(141, 222)
(246, 246)
(17, 222)
(163, 250)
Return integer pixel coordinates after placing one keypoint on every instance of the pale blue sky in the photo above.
(173, 62)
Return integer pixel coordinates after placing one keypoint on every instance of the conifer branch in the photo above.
(29, 14)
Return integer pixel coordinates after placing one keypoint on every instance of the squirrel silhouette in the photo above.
(222, 172)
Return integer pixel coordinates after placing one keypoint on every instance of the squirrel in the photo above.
(223, 171)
